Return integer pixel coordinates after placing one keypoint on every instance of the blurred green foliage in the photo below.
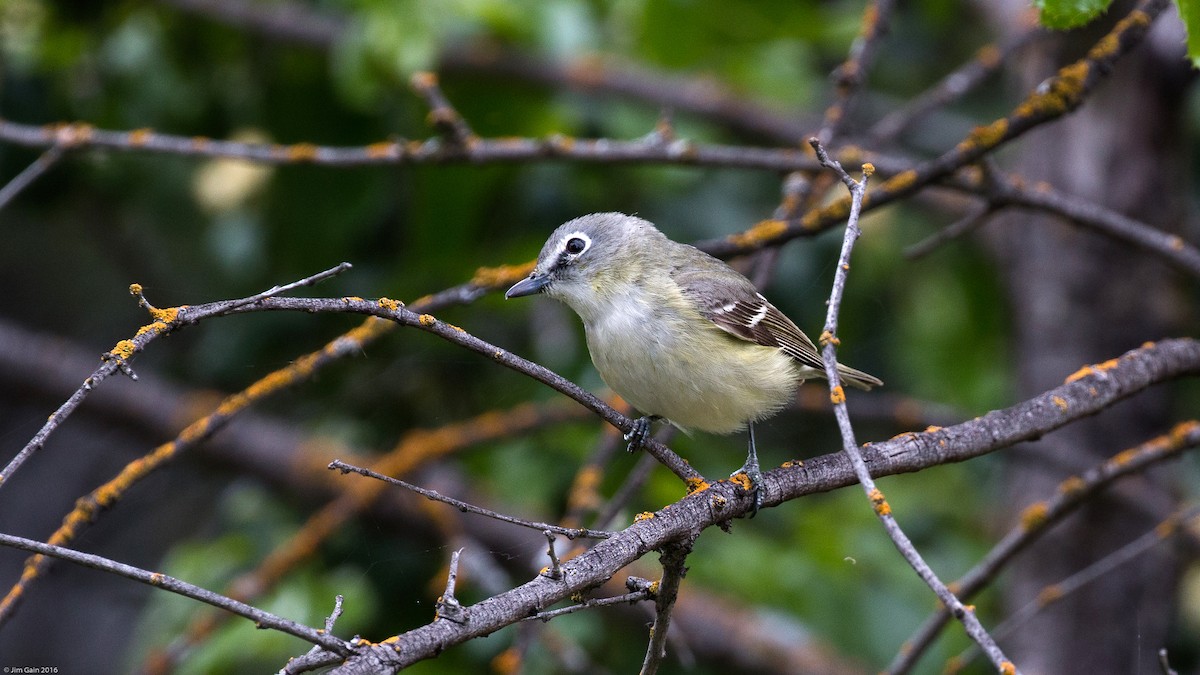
(195, 230)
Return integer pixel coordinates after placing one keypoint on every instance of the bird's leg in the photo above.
(641, 429)
(754, 474)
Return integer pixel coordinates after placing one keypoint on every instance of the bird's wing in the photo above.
(731, 302)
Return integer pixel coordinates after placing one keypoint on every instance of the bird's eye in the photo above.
(575, 245)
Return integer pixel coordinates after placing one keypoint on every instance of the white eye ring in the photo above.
(576, 243)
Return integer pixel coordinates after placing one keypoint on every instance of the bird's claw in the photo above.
(754, 486)
(637, 434)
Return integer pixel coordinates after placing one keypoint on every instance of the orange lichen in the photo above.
(837, 395)
(138, 137)
(1166, 528)
(1091, 370)
(1049, 594)
(123, 349)
(879, 502)
(792, 463)
(696, 485)
(584, 492)
(900, 182)
(502, 275)
(1007, 668)
(644, 515)
(1071, 485)
(427, 319)
(1060, 402)
(423, 80)
(1180, 432)
(1124, 457)
(868, 169)
(762, 232)
(586, 70)
(827, 338)
(302, 152)
(742, 480)
(507, 662)
(157, 578)
(1034, 515)
(988, 56)
(383, 149)
(560, 143)
(931, 428)
(390, 304)
(984, 137)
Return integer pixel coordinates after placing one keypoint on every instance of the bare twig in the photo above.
(259, 617)
(116, 360)
(968, 223)
(951, 87)
(570, 533)
(1165, 663)
(448, 606)
(1037, 518)
(433, 151)
(554, 571)
(672, 557)
(1052, 594)
(645, 593)
(829, 343)
(30, 174)
(852, 73)
(449, 123)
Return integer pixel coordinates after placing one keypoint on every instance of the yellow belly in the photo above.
(708, 380)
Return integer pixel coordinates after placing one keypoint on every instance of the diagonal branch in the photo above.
(829, 343)
(1038, 517)
(259, 617)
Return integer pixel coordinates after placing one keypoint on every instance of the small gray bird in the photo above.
(676, 332)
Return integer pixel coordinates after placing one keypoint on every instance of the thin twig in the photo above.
(442, 116)
(116, 360)
(627, 599)
(1106, 565)
(672, 557)
(317, 657)
(433, 151)
(968, 223)
(953, 86)
(852, 73)
(30, 174)
(850, 446)
(259, 617)
(448, 606)
(1037, 519)
(570, 533)
(1165, 663)
(555, 569)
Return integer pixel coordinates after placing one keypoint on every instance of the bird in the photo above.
(677, 333)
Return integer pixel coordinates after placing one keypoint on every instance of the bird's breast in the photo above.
(668, 360)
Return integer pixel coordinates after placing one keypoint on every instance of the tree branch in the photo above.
(259, 617)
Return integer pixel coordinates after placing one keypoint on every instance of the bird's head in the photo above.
(586, 256)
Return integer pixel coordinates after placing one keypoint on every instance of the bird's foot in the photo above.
(637, 435)
(752, 484)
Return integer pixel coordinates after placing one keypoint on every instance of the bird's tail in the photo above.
(857, 378)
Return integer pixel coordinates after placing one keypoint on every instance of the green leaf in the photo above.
(1069, 13)
(1189, 11)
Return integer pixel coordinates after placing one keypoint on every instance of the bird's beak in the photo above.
(534, 283)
